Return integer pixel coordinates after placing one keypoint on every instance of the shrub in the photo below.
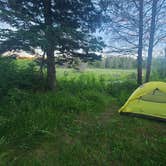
(8, 75)
(121, 90)
(14, 76)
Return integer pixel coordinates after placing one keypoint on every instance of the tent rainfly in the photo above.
(149, 100)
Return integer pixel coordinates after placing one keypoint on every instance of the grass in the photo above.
(105, 74)
(79, 125)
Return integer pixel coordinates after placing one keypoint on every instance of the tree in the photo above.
(51, 25)
(140, 45)
(107, 62)
(130, 27)
(49, 35)
(151, 39)
(126, 27)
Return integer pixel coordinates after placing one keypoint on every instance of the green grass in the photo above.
(106, 74)
(79, 124)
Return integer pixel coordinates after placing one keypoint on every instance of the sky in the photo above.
(4, 25)
(158, 50)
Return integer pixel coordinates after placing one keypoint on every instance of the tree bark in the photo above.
(42, 65)
(151, 40)
(140, 45)
(51, 74)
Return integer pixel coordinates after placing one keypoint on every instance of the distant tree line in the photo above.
(122, 62)
(159, 67)
(116, 62)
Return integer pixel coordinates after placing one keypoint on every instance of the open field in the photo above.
(105, 74)
(77, 125)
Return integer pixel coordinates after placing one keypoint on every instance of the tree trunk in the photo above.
(151, 40)
(140, 45)
(42, 65)
(51, 78)
(51, 74)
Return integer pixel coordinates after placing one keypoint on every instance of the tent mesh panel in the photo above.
(156, 96)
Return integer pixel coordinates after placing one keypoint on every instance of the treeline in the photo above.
(116, 62)
(159, 67)
(122, 62)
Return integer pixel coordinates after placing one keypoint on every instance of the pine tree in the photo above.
(63, 26)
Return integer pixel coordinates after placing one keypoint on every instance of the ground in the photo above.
(79, 124)
(98, 139)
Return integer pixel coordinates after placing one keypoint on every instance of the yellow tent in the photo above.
(148, 100)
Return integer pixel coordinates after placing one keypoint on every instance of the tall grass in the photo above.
(67, 127)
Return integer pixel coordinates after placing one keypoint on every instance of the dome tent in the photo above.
(148, 100)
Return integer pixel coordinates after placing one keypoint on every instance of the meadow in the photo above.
(76, 126)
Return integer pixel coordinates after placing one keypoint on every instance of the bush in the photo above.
(14, 76)
(8, 74)
(121, 90)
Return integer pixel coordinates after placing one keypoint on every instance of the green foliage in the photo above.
(34, 25)
(159, 68)
(7, 74)
(77, 125)
(117, 62)
(122, 90)
(14, 75)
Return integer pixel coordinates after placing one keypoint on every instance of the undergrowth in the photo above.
(64, 128)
